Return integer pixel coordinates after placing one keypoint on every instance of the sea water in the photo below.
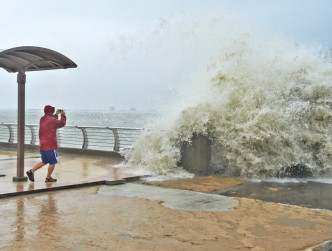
(103, 118)
(265, 104)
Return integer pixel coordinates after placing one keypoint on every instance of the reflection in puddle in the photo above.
(20, 232)
(48, 216)
(33, 216)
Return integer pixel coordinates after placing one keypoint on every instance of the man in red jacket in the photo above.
(49, 123)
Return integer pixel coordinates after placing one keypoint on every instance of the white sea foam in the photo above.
(266, 105)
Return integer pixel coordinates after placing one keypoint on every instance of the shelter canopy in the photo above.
(21, 60)
(31, 58)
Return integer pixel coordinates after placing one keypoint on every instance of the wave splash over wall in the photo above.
(266, 106)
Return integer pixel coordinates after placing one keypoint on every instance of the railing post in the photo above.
(116, 147)
(33, 135)
(11, 133)
(58, 138)
(85, 137)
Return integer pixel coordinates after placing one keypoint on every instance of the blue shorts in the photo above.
(49, 156)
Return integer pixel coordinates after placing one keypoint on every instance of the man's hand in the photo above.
(60, 111)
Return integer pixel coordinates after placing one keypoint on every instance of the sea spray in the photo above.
(267, 106)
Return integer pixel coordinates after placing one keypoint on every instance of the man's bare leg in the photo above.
(37, 166)
(50, 170)
(34, 169)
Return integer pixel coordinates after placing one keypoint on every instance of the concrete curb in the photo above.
(79, 185)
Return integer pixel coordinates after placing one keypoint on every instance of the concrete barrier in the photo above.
(196, 155)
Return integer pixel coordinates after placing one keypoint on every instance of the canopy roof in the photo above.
(31, 58)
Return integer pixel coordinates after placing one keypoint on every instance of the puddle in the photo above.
(307, 194)
(173, 198)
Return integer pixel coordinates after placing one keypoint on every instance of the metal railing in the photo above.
(115, 139)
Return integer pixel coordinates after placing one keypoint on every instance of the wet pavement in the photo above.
(71, 171)
(307, 194)
(171, 215)
(91, 218)
(173, 198)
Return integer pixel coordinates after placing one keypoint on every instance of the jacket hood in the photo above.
(49, 109)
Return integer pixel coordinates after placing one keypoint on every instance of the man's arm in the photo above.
(62, 122)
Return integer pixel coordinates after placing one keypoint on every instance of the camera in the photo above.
(60, 110)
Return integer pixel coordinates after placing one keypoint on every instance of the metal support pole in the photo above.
(116, 147)
(33, 135)
(21, 78)
(85, 137)
(11, 133)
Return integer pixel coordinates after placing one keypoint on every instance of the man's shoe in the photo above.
(50, 179)
(31, 176)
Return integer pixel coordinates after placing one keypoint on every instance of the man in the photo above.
(49, 123)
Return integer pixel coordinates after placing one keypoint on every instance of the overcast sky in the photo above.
(132, 53)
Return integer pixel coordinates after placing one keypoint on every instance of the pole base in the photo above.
(20, 179)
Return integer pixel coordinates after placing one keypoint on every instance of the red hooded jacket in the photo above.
(47, 131)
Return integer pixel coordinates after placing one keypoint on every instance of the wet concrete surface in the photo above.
(84, 219)
(309, 194)
(71, 171)
(200, 184)
(173, 198)
(117, 218)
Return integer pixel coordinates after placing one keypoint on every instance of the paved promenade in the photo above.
(71, 171)
(83, 212)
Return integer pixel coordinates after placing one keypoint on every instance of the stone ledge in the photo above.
(324, 246)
